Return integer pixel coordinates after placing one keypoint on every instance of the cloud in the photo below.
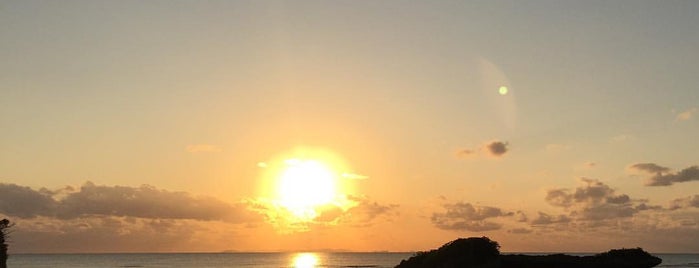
(662, 176)
(650, 168)
(98, 200)
(685, 175)
(355, 211)
(497, 148)
(521, 217)
(491, 148)
(686, 202)
(686, 115)
(203, 148)
(594, 201)
(366, 212)
(559, 198)
(465, 152)
(24, 202)
(464, 216)
(112, 234)
(545, 219)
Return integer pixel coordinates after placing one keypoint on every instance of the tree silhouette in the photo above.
(4, 232)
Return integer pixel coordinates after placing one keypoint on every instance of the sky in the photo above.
(169, 126)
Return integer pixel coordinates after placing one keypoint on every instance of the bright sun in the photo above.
(304, 185)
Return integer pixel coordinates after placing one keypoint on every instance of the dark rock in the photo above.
(463, 252)
(483, 252)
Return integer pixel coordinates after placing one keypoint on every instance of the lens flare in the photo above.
(503, 90)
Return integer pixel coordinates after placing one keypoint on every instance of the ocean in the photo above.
(250, 260)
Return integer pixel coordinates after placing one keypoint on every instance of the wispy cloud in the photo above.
(685, 202)
(545, 219)
(686, 115)
(520, 231)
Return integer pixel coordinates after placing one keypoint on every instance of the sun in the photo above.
(304, 185)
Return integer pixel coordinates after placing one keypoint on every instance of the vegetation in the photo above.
(463, 252)
(4, 232)
(485, 253)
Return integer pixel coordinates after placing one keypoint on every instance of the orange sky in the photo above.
(168, 126)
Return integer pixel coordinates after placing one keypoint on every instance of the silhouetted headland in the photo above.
(481, 252)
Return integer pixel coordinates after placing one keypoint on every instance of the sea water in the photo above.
(207, 260)
(249, 260)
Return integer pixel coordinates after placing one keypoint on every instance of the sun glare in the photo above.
(305, 185)
(305, 260)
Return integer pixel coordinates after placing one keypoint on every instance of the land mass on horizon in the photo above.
(481, 252)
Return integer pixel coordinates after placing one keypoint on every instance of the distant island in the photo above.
(481, 252)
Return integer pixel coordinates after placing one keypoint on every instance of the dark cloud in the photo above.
(492, 148)
(497, 148)
(619, 199)
(594, 192)
(594, 201)
(545, 219)
(650, 167)
(663, 176)
(644, 206)
(464, 216)
(521, 217)
(607, 211)
(96, 200)
(559, 198)
(24, 202)
(686, 202)
(685, 175)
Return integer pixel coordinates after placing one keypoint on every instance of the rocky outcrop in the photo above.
(481, 252)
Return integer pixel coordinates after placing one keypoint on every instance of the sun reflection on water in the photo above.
(305, 260)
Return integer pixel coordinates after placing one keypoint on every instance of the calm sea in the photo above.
(252, 260)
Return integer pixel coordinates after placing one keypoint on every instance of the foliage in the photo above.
(5, 226)
(481, 252)
(462, 252)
